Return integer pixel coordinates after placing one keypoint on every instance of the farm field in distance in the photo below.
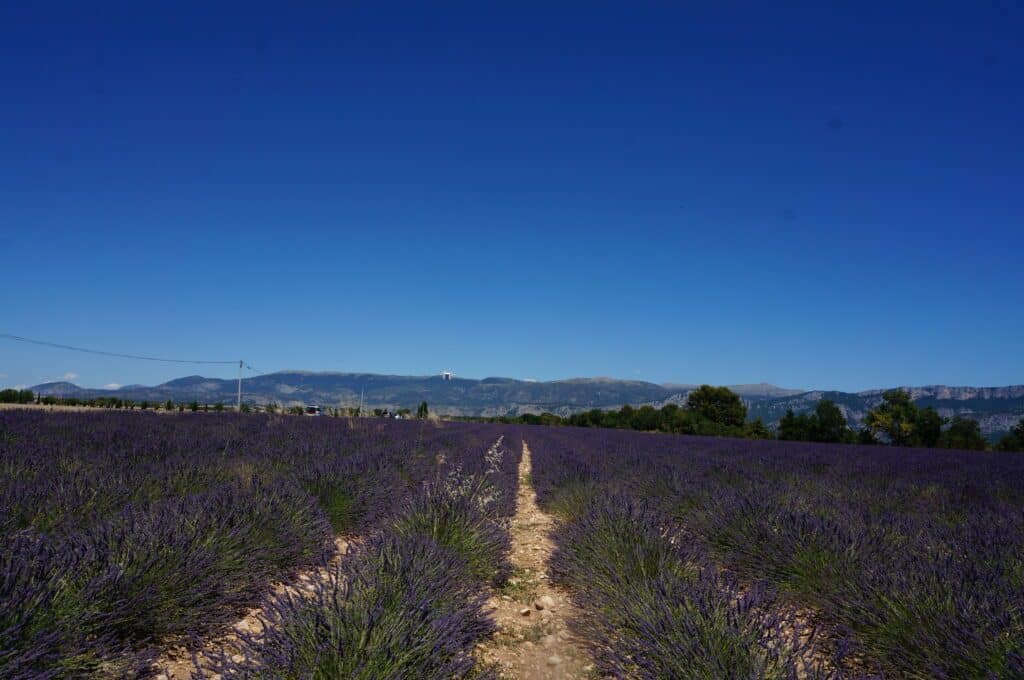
(137, 545)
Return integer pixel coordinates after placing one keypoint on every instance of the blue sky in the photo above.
(814, 195)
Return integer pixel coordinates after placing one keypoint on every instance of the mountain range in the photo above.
(996, 408)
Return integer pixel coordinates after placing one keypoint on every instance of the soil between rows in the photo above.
(533, 641)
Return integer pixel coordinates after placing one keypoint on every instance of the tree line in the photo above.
(708, 411)
(718, 411)
(17, 396)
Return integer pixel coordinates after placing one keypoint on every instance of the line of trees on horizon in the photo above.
(719, 412)
(708, 411)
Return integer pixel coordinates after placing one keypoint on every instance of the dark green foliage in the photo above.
(756, 429)
(10, 396)
(829, 423)
(963, 433)
(928, 428)
(669, 418)
(826, 424)
(422, 410)
(1014, 439)
(720, 405)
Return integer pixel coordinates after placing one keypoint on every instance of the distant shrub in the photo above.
(1014, 439)
(963, 433)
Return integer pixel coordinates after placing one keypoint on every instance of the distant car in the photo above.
(313, 411)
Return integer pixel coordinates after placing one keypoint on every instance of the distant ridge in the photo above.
(996, 408)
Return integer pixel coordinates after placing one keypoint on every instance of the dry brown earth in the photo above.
(533, 641)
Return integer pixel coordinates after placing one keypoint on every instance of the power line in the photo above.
(112, 354)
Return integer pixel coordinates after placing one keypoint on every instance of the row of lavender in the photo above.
(121, 533)
(409, 601)
(910, 563)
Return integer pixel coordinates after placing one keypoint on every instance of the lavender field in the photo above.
(126, 535)
(702, 558)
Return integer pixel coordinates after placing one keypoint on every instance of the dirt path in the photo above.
(533, 639)
(177, 664)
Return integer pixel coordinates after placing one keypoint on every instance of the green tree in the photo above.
(144, 405)
(1014, 439)
(794, 427)
(194, 406)
(928, 427)
(422, 410)
(246, 408)
(756, 429)
(218, 407)
(10, 396)
(718, 404)
(169, 405)
(624, 417)
(829, 423)
(895, 418)
(647, 419)
(900, 421)
(963, 433)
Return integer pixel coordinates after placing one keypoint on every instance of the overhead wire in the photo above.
(139, 357)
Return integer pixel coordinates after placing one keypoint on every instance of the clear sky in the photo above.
(816, 195)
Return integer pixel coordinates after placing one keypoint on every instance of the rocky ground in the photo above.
(533, 640)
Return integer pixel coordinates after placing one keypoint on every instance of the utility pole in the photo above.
(239, 385)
